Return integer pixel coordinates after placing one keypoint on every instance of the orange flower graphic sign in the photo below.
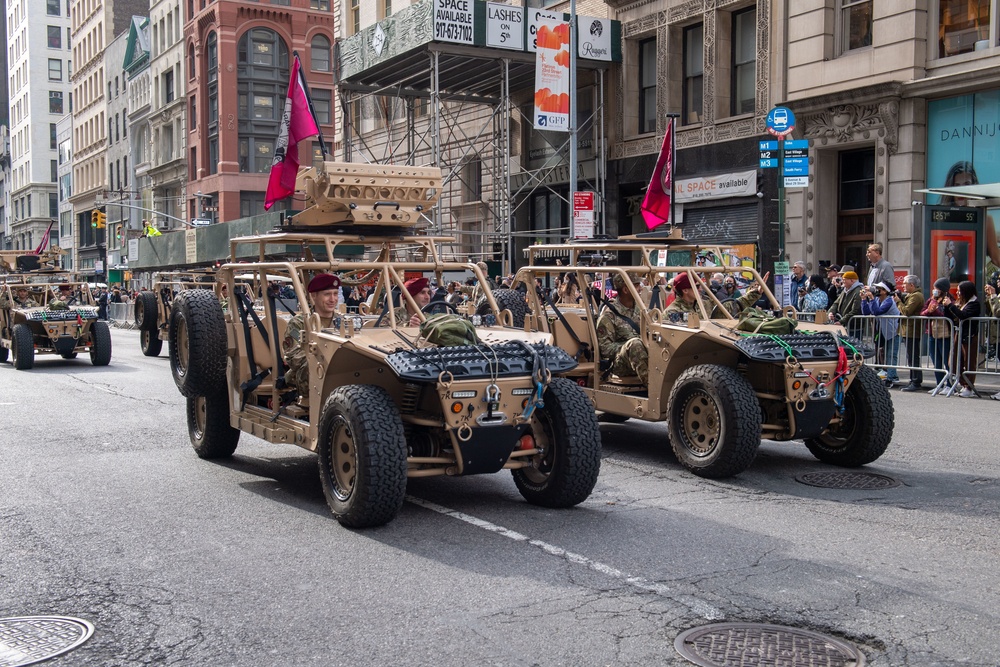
(552, 76)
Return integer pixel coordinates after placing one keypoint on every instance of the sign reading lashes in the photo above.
(453, 21)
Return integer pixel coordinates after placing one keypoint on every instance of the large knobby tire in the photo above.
(865, 429)
(362, 456)
(507, 299)
(565, 430)
(197, 337)
(150, 343)
(100, 344)
(208, 425)
(146, 311)
(714, 421)
(23, 347)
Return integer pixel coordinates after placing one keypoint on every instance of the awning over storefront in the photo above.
(978, 191)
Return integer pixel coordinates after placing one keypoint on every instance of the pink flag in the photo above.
(297, 123)
(656, 204)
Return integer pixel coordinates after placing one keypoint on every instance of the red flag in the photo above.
(297, 123)
(45, 241)
(656, 204)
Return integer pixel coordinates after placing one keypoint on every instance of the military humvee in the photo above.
(71, 328)
(719, 388)
(384, 403)
(152, 307)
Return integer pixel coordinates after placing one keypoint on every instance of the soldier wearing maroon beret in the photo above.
(324, 294)
(420, 290)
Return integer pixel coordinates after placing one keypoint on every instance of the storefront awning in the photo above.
(978, 191)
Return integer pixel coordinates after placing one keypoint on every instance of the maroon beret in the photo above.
(323, 281)
(682, 282)
(415, 285)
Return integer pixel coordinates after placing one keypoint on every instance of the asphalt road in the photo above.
(106, 514)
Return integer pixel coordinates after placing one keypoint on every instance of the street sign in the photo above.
(796, 181)
(768, 154)
(782, 268)
(780, 122)
(796, 157)
(583, 215)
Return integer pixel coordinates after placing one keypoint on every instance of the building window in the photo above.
(321, 105)
(52, 138)
(320, 53)
(317, 154)
(213, 156)
(355, 17)
(856, 22)
(856, 205)
(53, 205)
(647, 85)
(192, 114)
(193, 165)
(384, 9)
(261, 84)
(212, 118)
(55, 101)
(472, 180)
(251, 203)
(962, 24)
(52, 7)
(54, 171)
(256, 154)
(744, 61)
(191, 70)
(323, 5)
(168, 86)
(694, 66)
(55, 37)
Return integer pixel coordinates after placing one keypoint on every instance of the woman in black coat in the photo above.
(968, 307)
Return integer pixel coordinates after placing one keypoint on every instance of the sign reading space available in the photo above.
(737, 184)
(583, 215)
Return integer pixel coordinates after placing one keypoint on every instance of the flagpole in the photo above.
(305, 89)
(672, 119)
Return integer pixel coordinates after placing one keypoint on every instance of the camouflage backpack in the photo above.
(448, 330)
(755, 320)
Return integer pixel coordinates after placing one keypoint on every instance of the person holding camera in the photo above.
(848, 302)
(876, 300)
(834, 283)
(813, 297)
(967, 307)
(939, 329)
(910, 302)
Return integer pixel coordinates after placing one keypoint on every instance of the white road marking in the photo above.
(700, 607)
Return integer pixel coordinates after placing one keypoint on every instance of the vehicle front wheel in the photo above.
(100, 344)
(865, 428)
(150, 343)
(714, 421)
(208, 425)
(197, 337)
(23, 347)
(145, 311)
(566, 433)
(362, 456)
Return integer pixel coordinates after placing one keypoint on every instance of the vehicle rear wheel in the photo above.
(714, 421)
(197, 337)
(146, 311)
(362, 456)
(150, 343)
(865, 428)
(23, 347)
(100, 344)
(565, 431)
(208, 425)
(507, 299)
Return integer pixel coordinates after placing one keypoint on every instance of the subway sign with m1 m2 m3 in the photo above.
(768, 154)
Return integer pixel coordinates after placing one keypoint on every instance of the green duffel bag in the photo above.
(755, 320)
(448, 330)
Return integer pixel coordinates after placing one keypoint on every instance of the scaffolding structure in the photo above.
(468, 111)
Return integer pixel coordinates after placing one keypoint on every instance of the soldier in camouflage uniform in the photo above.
(475, 292)
(22, 299)
(63, 299)
(617, 340)
(685, 300)
(420, 290)
(324, 292)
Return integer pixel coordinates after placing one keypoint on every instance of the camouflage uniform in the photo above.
(7, 303)
(619, 342)
(680, 306)
(402, 316)
(294, 353)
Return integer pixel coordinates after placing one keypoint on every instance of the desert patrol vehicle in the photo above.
(152, 307)
(721, 381)
(386, 401)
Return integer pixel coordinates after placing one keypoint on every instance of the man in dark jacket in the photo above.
(848, 304)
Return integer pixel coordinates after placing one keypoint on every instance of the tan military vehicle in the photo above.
(720, 387)
(58, 314)
(385, 400)
(152, 307)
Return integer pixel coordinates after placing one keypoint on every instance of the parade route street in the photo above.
(107, 515)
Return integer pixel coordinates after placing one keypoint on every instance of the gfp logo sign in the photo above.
(780, 121)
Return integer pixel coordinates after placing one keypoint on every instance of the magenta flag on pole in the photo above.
(656, 204)
(297, 123)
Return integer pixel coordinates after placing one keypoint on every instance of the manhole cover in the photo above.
(762, 645)
(30, 639)
(848, 480)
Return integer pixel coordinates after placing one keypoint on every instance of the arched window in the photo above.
(320, 54)
(261, 85)
(191, 60)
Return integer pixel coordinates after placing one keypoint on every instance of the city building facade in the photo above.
(118, 192)
(138, 77)
(238, 62)
(167, 120)
(64, 172)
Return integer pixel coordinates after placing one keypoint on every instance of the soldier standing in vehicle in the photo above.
(686, 301)
(324, 293)
(617, 339)
(63, 299)
(420, 290)
(22, 299)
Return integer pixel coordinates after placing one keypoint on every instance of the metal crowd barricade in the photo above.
(122, 315)
(935, 353)
(980, 357)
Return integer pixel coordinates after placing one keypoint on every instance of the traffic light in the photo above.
(98, 219)
(93, 218)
